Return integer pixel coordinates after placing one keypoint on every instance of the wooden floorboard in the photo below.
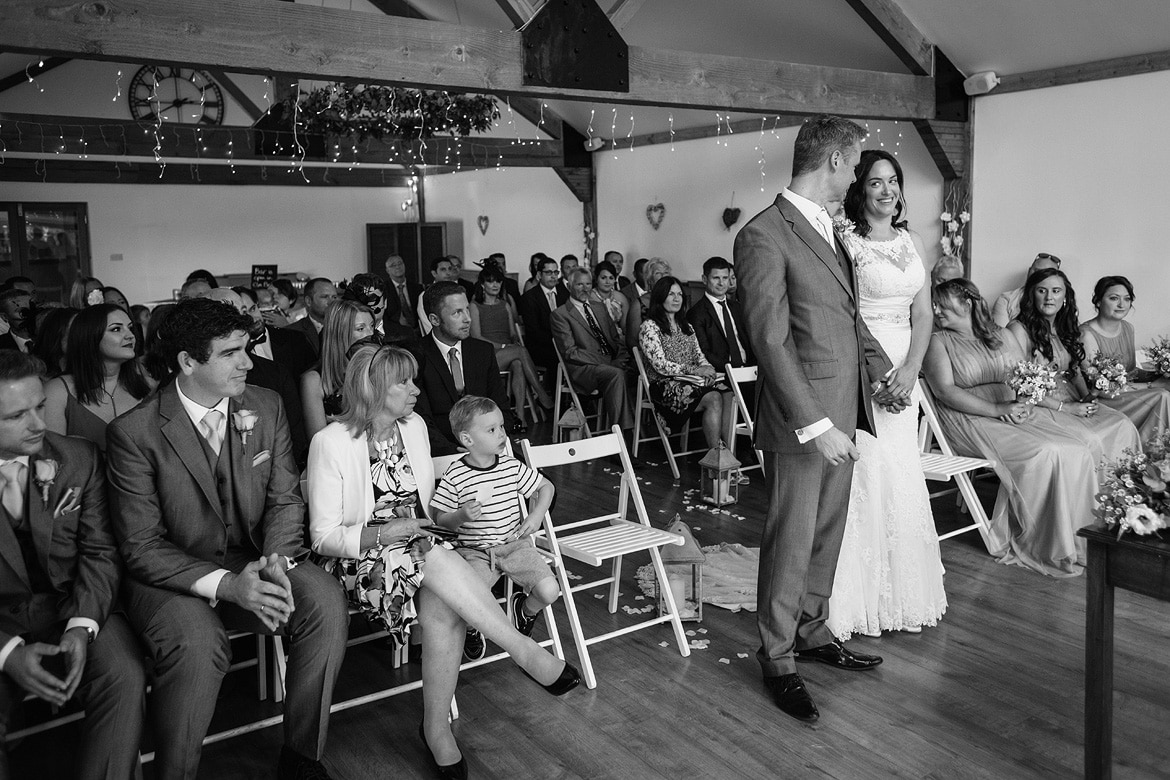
(995, 691)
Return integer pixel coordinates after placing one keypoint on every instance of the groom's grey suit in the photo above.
(816, 360)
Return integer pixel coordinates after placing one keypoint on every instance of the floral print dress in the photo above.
(668, 356)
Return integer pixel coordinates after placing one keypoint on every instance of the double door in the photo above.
(47, 242)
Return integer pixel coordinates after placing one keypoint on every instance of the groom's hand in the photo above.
(836, 447)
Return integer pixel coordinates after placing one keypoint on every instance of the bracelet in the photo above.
(1061, 407)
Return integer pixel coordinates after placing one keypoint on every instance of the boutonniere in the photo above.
(842, 224)
(244, 421)
(44, 472)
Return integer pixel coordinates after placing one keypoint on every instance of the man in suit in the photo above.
(288, 347)
(442, 270)
(401, 295)
(15, 310)
(454, 365)
(59, 576)
(319, 293)
(818, 367)
(207, 507)
(636, 289)
(536, 308)
(457, 268)
(718, 322)
(594, 355)
(616, 259)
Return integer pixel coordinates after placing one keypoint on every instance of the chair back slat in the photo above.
(548, 455)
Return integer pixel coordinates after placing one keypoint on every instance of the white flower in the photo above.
(244, 421)
(94, 298)
(946, 244)
(44, 473)
(945, 216)
(952, 226)
(958, 241)
(964, 217)
(1142, 520)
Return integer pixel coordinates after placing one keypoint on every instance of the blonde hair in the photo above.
(336, 338)
(371, 372)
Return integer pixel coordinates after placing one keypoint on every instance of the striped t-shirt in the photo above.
(495, 488)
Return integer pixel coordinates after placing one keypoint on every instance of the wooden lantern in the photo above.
(573, 422)
(684, 574)
(719, 482)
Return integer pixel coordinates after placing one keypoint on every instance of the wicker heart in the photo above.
(730, 217)
(483, 222)
(655, 213)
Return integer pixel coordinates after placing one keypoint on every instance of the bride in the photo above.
(889, 574)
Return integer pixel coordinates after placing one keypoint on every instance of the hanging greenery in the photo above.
(394, 112)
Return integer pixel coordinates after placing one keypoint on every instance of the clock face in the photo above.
(182, 95)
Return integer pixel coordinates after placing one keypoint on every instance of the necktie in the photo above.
(733, 353)
(826, 226)
(456, 369)
(597, 334)
(209, 427)
(12, 496)
(552, 299)
(407, 317)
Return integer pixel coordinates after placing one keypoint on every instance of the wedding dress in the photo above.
(889, 573)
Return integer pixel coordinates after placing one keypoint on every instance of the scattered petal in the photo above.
(742, 655)
(664, 644)
(724, 660)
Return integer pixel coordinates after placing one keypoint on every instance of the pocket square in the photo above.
(70, 502)
(261, 457)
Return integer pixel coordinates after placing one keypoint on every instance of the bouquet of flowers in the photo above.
(1106, 375)
(1032, 381)
(1159, 353)
(1134, 494)
(953, 227)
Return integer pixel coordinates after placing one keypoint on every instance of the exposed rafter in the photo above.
(328, 43)
(1089, 71)
(518, 11)
(707, 131)
(623, 11)
(253, 111)
(33, 70)
(899, 33)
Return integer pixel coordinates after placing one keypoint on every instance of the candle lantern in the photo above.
(572, 422)
(684, 574)
(719, 482)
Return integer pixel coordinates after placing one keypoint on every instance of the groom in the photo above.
(819, 366)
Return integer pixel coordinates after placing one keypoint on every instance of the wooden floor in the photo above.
(994, 691)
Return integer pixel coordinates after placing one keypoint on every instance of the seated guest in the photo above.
(718, 322)
(114, 295)
(287, 347)
(346, 323)
(196, 287)
(457, 266)
(442, 270)
(289, 307)
(319, 293)
(206, 503)
(533, 272)
(370, 483)
(52, 339)
(637, 288)
(616, 259)
(511, 288)
(536, 307)
(204, 275)
(60, 586)
(103, 378)
(493, 319)
(595, 357)
(453, 365)
(370, 291)
(948, 267)
(1041, 453)
(682, 381)
(21, 283)
(1108, 334)
(605, 291)
(16, 311)
(86, 291)
(656, 268)
(1007, 305)
(568, 264)
(403, 295)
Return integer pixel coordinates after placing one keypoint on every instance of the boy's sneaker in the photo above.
(523, 623)
(474, 646)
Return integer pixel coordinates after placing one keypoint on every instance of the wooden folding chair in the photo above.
(643, 406)
(606, 537)
(570, 421)
(736, 377)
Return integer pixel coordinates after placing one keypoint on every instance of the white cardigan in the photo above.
(340, 493)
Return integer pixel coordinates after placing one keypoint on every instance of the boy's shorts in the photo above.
(518, 559)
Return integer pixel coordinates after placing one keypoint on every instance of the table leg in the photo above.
(1098, 666)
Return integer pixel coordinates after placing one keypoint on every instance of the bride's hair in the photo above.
(949, 293)
(1066, 323)
(855, 198)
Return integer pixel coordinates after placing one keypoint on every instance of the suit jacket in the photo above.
(512, 288)
(537, 319)
(306, 328)
(624, 282)
(437, 394)
(577, 343)
(292, 350)
(76, 550)
(164, 499)
(816, 356)
(273, 376)
(394, 306)
(708, 325)
(7, 341)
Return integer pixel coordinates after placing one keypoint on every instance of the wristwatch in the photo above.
(90, 634)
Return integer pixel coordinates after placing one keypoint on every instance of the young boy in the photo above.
(477, 497)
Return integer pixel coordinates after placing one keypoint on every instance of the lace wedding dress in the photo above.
(889, 574)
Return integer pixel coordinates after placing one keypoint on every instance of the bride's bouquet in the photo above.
(1134, 494)
(1032, 381)
(1159, 353)
(1106, 375)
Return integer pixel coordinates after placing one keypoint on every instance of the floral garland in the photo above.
(370, 111)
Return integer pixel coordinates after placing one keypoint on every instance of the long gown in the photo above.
(889, 573)
(1148, 409)
(1047, 465)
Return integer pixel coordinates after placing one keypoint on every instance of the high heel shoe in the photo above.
(457, 771)
(570, 678)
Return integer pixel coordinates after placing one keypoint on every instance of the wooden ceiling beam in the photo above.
(519, 11)
(253, 111)
(622, 12)
(707, 131)
(36, 69)
(886, 19)
(193, 172)
(336, 44)
(1114, 68)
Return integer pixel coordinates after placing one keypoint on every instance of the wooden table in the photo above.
(1134, 563)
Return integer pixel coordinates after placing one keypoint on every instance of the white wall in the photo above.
(697, 181)
(1077, 171)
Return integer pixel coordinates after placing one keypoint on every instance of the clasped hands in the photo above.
(25, 665)
(263, 589)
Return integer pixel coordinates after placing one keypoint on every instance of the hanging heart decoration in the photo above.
(483, 222)
(655, 213)
(730, 217)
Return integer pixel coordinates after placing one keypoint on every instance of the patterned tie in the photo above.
(12, 496)
(456, 369)
(596, 329)
(209, 427)
(733, 354)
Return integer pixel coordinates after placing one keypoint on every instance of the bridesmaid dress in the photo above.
(1147, 408)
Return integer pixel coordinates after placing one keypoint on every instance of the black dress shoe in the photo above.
(457, 771)
(570, 678)
(294, 766)
(792, 697)
(836, 654)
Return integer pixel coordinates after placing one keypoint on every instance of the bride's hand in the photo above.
(901, 382)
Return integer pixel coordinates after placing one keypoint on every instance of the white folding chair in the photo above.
(742, 376)
(643, 406)
(943, 465)
(574, 418)
(606, 537)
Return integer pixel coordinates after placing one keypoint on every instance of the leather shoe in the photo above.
(836, 654)
(456, 771)
(569, 679)
(792, 697)
(294, 766)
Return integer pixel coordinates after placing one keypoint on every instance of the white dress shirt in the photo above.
(263, 349)
(718, 304)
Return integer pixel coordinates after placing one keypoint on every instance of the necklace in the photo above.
(110, 395)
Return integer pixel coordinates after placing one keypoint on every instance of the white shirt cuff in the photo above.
(809, 432)
(6, 651)
(206, 586)
(83, 622)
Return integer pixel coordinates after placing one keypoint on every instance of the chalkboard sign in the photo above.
(263, 276)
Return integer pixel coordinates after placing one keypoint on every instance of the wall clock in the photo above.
(181, 95)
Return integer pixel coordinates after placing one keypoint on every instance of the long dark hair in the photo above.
(47, 345)
(1105, 282)
(855, 198)
(658, 312)
(1067, 321)
(490, 273)
(982, 325)
(84, 360)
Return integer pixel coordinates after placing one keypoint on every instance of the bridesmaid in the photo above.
(1147, 402)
